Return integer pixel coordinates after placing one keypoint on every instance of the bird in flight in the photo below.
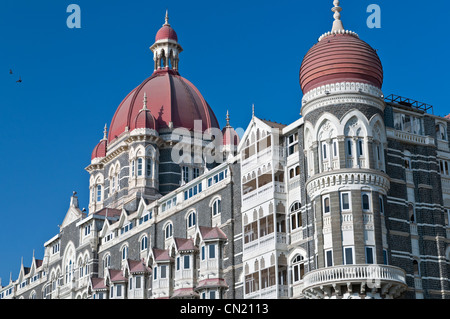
(19, 80)
(10, 71)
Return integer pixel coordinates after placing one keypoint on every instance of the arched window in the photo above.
(107, 261)
(365, 202)
(168, 231)
(216, 207)
(133, 168)
(124, 252)
(296, 217)
(298, 268)
(144, 243)
(326, 205)
(191, 220)
(69, 270)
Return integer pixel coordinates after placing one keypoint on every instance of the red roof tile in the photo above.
(184, 244)
(212, 233)
(98, 283)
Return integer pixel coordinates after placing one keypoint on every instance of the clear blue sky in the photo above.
(235, 52)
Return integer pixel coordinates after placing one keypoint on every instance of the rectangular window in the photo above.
(385, 257)
(360, 147)
(324, 150)
(381, 205)
(139, 168)
(348, 255)
(185, 173)
(335, 149)
(130, 283)
(212, 294)
(349, 147)
(99, 193)
(196, 172)
(203, 252)
(369, 255)
(186, 261)
(329, 258)
(119, 290)
(155, 273)
(138, 282)
(345, 201)
(163, 272)
(178, 263)
(212, 251)
(149, 168)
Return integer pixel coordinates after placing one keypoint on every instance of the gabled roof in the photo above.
(161, 254)
(116, 275)
(109, 212)
(211, 282)
(98, 284)
(184, 244)
(209, 233)
(137, 266)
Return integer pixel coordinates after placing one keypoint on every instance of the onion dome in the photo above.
(144, 119)
(166, 32)
(171, 100)
(340, 56)
(230, 137)
(100, 149)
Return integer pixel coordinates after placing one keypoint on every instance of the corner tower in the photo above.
(341, 77)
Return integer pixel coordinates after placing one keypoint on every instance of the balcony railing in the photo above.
(354, 273)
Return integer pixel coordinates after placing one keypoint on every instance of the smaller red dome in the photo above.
(166, 32)
(100, 150)
(144, 119)
(230, 137)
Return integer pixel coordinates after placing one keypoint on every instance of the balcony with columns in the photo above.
(355, 282)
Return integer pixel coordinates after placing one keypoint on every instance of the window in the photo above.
(348, 255)
(144, 243)
(441, 132)
(292, 143)
(87, 230)
(130, 283)
(345, 201)
(99, 193)
(168, 231)
(145, 217)
(107, 261)
(329, 258)
(385, 257)
(298, 268)
(335, 155)
(191, 222)
(360, 148)
(203, 253)
(185, 174)
(212, 251)
(163, 272)
(408, 123)
(212, 294)
(381, 205)
(412, 213)
(216, 207)
(365, 202)
(324, 150)
(148, 171)
(119, 290)
(186, 260)
(138, 282)
(155, 273)
(193, 191)
(139, 167)
(369, 255)
(349, 147)
(132, 168)
(124, 252)
(326, 205)
(296, 217)
(195, 172)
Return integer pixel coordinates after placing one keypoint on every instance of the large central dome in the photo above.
(172, 100)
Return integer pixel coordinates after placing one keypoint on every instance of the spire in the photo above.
(105, 132)
(228, 118)
(337, 23)
(167, 18)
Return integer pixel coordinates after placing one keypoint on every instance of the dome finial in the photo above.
(337, 23)
(167, 18)
(228, 118)
(105, 131)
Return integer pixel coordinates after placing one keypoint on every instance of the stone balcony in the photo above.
(355, 282)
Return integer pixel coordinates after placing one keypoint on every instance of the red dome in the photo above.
(171, 98)
(340, 58)
(99, 150)
(144, 119)
(166, 32)
(230, 137)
